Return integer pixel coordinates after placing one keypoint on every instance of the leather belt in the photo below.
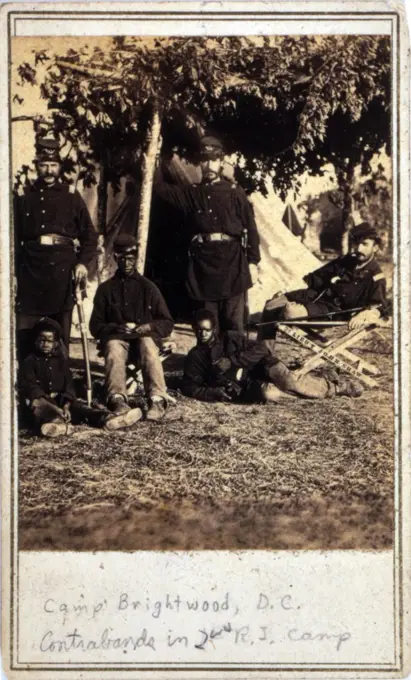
(207, 238)
(53, 239)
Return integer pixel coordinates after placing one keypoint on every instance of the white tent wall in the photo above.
(284, 258)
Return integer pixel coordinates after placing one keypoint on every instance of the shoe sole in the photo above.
(124, 420)
(56, 430)
(155, 419)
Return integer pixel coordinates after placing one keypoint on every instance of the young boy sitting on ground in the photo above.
(228, 367)
(46, 384)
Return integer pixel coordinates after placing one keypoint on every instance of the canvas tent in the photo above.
(284, 258)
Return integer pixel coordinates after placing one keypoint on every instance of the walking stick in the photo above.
(84, 339)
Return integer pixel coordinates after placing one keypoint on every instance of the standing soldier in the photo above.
(49, 216)
(223, 238)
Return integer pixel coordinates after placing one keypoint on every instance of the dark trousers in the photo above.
(274, 311)
(42, 412)
(229, 313)
(25, 331)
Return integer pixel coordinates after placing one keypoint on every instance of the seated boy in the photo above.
(46, 384)
(228, 367)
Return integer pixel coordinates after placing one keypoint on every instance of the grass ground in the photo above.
(298, 474)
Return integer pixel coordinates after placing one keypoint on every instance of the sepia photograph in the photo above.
(207, 280)
(203, 262)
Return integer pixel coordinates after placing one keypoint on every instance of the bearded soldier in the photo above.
(223, 242)
(351, 282)
(49, 217)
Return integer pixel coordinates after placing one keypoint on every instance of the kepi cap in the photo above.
(46, 324)
(211, 147)
(125, 243)
(48, 149)
(363, 231)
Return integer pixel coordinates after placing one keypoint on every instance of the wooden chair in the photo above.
(134, 380)
(335, 351)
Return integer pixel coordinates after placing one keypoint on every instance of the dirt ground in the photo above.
(294, 475)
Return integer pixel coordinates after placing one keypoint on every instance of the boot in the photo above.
(156, 410)
(118, 421)
(56, 428)
(117, 404)
(272, 394)
(273, 311)
(347, 387)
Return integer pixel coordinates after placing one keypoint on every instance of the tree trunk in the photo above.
(346, 217)
(102, 200)
(147, 188)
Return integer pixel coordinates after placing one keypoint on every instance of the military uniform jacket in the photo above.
(344, 285)
(44, 272)
(129, 299)
(200, 378)
(217, 270)
(43, 375)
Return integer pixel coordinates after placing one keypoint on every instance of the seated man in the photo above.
(46, 385)
(231, 368)
(131, 317)
(349, 282)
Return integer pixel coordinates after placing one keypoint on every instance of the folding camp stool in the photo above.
(134, 378)
(335, 351)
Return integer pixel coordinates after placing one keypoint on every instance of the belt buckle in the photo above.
(46, 240)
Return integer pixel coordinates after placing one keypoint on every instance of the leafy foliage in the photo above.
(284, 105)
(372, 199)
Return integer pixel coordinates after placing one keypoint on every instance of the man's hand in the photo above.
(365, 318)
(80, 274)
(66, 412)
(253, 273)
(221, 394)
(223, 365)
(131, 328)
(142, 329)
(59, 411)
(126, 328)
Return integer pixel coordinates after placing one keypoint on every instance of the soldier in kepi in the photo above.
(49, 216)
(222, 237)
(351, 282)
(130, 318)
